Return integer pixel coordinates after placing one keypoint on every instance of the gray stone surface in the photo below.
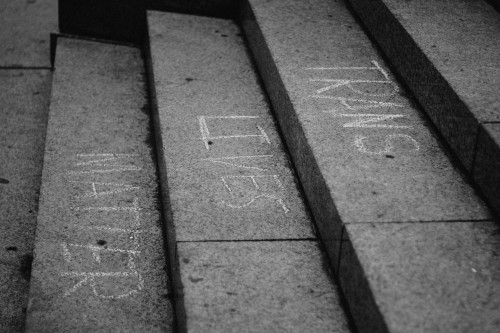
(423, 277)
(447, 52)
(228, 176)
(25, 28)
(99, 254)
(258, 287)
(487, 163)
(24, 97)
(358, 142)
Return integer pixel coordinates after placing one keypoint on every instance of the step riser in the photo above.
(447, 55)
(378, 161)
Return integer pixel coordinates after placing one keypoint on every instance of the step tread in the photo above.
(447, 53)
(99, 259)
(430, 277)
(353, 173)
(258, 287)
(200, 68)
(24, 31)
(24, 96)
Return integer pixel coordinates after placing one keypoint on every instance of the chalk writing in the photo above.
(95, 250)
(360, 104)
(126, 281)
(104, 163)
(349, 104)
(206, 137)
(95, 194)
(389, 145)
(256, 187)
(368, 120)
(226, 161)
(351, 83)
(91, 279)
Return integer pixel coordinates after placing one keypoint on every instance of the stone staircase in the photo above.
(251, 166)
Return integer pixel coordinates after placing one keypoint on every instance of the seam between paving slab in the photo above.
(250, 240)
(25, 67)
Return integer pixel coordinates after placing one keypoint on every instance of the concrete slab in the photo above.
(258, 287)
(487, 163)
(363, 150)
(99, 256)
(447, 52)
(228, 175)
(213, 8)
(427, 277)
(24, 105)
(25, 28)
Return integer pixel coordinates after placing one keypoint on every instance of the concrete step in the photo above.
(447, 54)
(99, 260)
(413, 246)
(24, 96)
(239, 229)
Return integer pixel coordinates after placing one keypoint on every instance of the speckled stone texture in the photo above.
(363, 150)
(427, 277)
(99, 254)
(447, 53)
(487, 163)
(259, 287)
(24, 106)
(228, 176)
(25, 28)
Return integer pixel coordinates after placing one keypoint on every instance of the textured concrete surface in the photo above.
(24, 97)
(358, 142)
(258, 287)
(426, 277)
(25, 28)
(447, 52)
(228, 176)
(99, 255)
(487, 163)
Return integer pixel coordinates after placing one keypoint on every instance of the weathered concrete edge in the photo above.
(171, 240)
(486, 165)
(366, 313)
(421, 77)
(415, 73)
(317, 194)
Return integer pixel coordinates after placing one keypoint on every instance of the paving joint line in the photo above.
(251, 240)
(25, 67)
(442, 221)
